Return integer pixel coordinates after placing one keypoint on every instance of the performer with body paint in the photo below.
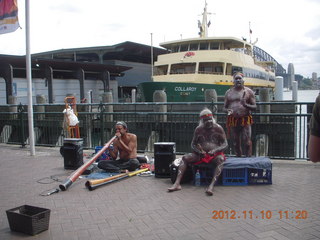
(208, 143)
(239, 101)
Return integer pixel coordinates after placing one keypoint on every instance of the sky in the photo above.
(288, 30)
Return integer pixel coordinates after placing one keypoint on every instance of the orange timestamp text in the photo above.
(264, 214)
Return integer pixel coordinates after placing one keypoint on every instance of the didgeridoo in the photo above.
(93, 184)
(74, 176)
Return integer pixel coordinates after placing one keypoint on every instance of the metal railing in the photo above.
(281, 134)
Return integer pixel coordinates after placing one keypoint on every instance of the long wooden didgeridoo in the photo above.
(93, 184)
(74, 176)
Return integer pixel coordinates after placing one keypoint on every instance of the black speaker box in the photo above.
(164, 155)
(73, 153)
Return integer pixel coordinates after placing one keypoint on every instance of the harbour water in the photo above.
(303, 95)
(301, 131)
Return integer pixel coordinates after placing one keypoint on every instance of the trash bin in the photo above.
(73, 153)
(164, 155)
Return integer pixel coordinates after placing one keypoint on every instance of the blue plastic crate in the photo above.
(206, 173)
(235, 177)
(259, 176)
(103, 156)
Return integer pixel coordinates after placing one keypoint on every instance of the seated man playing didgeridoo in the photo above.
(125, 145)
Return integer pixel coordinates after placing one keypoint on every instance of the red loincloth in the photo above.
(208, 158)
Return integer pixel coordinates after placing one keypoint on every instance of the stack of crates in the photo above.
(233, 176)
(246, 176)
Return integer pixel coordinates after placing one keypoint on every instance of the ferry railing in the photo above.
(283, 135)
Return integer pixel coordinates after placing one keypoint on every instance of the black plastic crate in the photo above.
(28, 219)
(259, 176)
(206, 174)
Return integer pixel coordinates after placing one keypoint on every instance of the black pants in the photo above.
(118, 165)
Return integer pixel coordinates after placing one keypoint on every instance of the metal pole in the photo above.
(151, 57)
(250, 31)
(29, 78)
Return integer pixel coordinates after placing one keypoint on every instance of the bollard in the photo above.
(40, 99)
(133, 95)
(108, 98)
(210, 95)
(13, 109)
(295, 91)
(160, 96)
(278, 95)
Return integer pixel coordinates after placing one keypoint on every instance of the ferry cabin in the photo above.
(212, 61)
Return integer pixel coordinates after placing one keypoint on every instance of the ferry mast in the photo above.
(204, 25)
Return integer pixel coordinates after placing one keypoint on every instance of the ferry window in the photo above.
(218, 69)
(183, 68)
(205, 68)
(236, 69)
(210, 67)
(214, 45)
(229, 69)
(184, 47)
(160, 70)
(193, 46)
(204, 46)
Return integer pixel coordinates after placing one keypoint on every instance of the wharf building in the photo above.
(55, 74)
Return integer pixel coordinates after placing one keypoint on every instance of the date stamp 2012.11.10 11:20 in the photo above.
(264, 214)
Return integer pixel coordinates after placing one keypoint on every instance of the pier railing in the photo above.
(281, 133)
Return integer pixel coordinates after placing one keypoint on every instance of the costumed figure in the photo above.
(208, 143)
(239, 101)
(72, 117)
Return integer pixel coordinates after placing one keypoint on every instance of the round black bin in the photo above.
(164, 155)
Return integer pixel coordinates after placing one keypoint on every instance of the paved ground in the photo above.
(141, 208)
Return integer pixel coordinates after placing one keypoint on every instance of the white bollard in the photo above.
(295, 91)
(278, 93)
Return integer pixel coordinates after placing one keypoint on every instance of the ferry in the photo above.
(193, 65)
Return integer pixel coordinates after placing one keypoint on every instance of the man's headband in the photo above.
(122, 124)
(238, 75)
(206, 115)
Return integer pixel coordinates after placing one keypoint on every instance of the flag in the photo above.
(250, 31)
(209, 23)
(8, 16)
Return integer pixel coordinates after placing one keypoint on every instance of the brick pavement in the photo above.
(140, 207)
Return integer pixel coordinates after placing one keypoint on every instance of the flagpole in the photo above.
(250, 31)
(151, 57)
(29, 79)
